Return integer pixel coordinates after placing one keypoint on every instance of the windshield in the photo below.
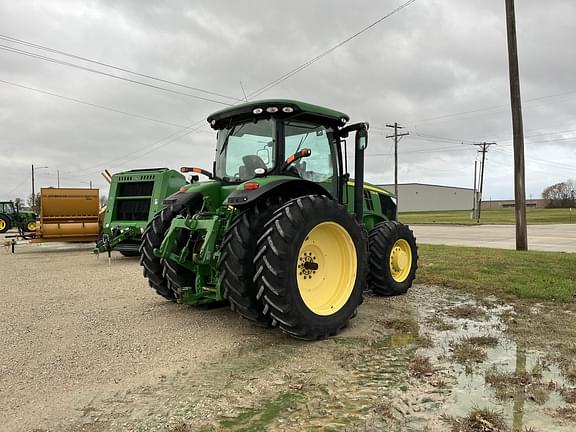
(244, 148)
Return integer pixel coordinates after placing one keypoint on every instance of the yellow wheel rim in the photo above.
(400, 260)
(31, 226)
(326, 268)
(2, 224)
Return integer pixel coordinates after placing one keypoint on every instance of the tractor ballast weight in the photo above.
(133, 199)
(279, 229)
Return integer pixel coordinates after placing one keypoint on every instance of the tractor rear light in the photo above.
(288, 109)
(257, 111)
(272, 109)
(251, 186)
(182, 189)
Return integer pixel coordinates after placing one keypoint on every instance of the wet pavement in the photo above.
(558, 238)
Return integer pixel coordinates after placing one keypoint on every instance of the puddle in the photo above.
(517, 382)
(435, 358)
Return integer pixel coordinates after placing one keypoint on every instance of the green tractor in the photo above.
(279, 229)
(11, 216)
(134, 197)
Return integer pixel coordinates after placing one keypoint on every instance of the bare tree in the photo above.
(561, 194)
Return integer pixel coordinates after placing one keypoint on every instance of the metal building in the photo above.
(415, 197)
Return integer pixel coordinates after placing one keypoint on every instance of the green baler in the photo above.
(134, 197)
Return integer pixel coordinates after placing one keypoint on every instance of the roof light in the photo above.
(272, 109)
(288, 109)
(182, 189)
(213, 122)
(251, 186)
(343, 120)
(257, 111)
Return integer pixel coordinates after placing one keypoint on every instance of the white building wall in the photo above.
(414, 197)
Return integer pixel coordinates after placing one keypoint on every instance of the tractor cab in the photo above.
(277, 137)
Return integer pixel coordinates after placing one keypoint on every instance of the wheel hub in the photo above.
(400, 260)
(308, 265)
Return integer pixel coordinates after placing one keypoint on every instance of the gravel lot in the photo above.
(74, 327)
(86, 346)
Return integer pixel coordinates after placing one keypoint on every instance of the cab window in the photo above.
(320, 166)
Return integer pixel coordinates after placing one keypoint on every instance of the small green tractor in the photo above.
(279, 229)
(134, 197)
(11, 216)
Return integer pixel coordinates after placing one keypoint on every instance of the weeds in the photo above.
(478, 420)
(421, 366)
(467, 311)
(466, 354)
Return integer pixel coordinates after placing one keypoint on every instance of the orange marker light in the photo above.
(251, 186)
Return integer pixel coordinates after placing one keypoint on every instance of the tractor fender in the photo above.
(283, 187)
(184, 199)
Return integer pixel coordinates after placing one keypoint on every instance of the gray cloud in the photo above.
(423, 67)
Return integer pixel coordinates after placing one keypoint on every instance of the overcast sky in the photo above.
(438, 67)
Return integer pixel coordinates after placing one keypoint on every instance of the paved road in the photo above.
(560, 238)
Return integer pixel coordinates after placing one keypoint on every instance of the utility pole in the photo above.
(397, 136)
(519, 170)
(58, 174)
(33, 196)
(485, 146)
(474, 196)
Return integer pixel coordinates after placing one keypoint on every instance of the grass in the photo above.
(547, 276)
(259, 418)
(490, 217)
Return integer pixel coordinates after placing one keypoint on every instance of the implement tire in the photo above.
(152, 239)
(4, 224)
(310, 267)
(236, 262)
(393, 259)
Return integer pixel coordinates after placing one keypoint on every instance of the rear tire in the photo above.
(393, 259)
(152, 239)
(236, 262)
(4, 224)
(311, 265)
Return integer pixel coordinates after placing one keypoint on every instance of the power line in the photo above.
(108, 65)
(313, 60)
(191, 129)
(70, 99)
(87, 69)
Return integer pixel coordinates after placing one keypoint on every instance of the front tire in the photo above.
(152, 239)
(393, 259)
(30, 226)
(310, 267)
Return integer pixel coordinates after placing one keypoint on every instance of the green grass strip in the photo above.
(547, 276)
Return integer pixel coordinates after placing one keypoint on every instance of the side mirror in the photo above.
(361, 138)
